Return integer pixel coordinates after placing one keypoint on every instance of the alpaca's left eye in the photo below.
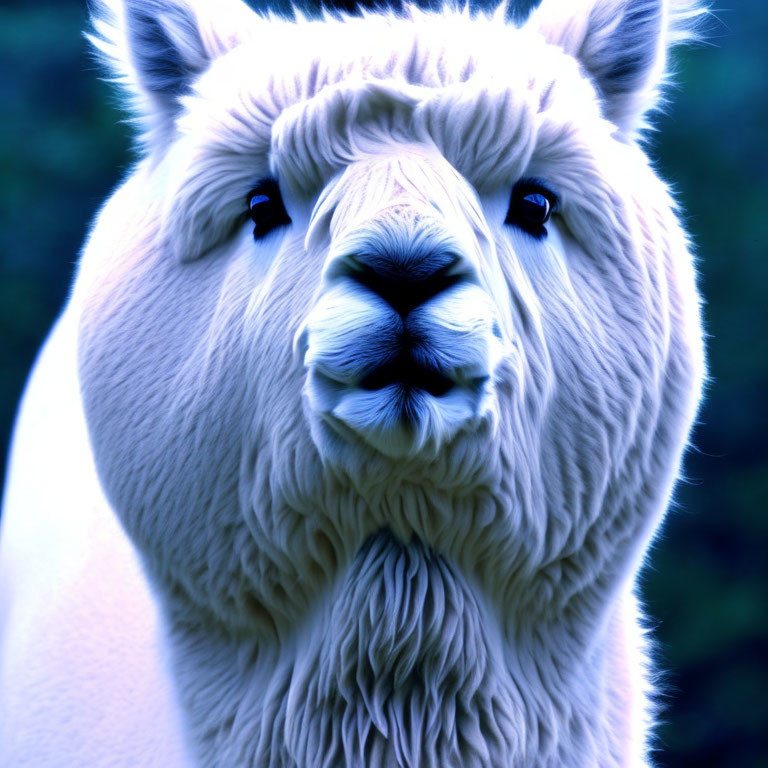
(266, 208)
(530, 207)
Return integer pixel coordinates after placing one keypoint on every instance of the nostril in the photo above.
(405, 285)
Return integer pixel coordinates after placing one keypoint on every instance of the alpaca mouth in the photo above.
(405, 385)
(400, 409)
(404, 371)
(410, 367)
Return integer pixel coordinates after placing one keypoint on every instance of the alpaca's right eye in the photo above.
(266, 208)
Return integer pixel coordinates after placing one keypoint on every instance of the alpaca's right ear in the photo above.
(156, 49)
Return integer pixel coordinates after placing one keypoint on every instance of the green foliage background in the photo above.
(63, 148)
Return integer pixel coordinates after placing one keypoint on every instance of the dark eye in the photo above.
(530, 207)
(265, 205)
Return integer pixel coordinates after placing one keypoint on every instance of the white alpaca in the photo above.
(384, 356)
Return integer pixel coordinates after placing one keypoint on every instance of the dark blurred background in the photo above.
(63, 148)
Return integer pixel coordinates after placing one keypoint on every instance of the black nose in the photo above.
(404, 283)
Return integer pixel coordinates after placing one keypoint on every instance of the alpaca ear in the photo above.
(622, 45)
(156, 49)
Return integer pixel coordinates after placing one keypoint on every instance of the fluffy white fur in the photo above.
(335, 586)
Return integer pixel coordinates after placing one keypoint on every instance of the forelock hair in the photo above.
(516, 9)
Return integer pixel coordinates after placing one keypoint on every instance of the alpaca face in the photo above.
(409, 319)
(404, 274)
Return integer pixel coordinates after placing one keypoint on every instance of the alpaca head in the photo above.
(409, 272)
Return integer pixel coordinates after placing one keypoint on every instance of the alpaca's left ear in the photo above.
(622, 45)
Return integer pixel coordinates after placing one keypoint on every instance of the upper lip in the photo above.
(409, 360)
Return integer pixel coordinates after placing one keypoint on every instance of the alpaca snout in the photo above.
(401, 380)
(401, 346)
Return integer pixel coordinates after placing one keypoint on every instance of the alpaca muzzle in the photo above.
(402, 343)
